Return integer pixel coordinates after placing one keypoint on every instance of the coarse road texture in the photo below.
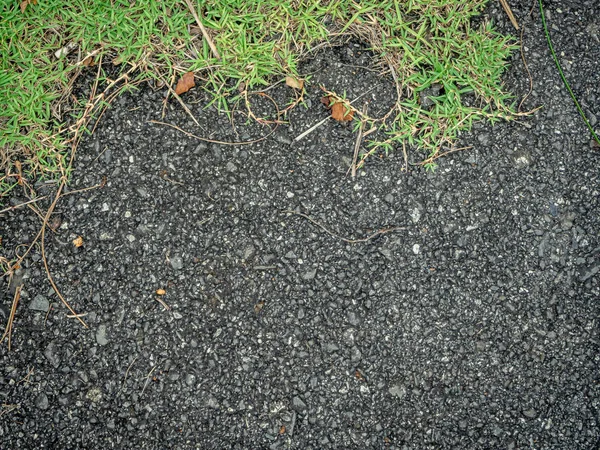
(473, 327)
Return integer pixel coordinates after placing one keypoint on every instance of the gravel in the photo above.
(473, 325)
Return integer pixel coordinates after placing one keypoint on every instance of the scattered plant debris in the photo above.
(295, 83)
(341, 110)
(185, 83)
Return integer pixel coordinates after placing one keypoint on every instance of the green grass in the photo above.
(427, 42)
(564, 79)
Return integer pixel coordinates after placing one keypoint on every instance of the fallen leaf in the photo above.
(26, 3)
(88, 62)
(78, 241)
(185, 83)
(342, 112)
(160, 292)
(296, 83)
(282, 429)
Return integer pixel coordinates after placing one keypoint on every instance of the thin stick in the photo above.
(11, 318)
(528, 73)
(213, 140)
(510, 14)
(204, 32)
(187, 110)
(27, 377)
(314, 127)
(440, 155)
(358, 141)
(8, 408)
(43, 251)
(127, 373)
(166, 99)
(147, 380)
(350, 241)
(10, 208)
(311, 129)
(405, 156)
(162, 302)
(70, 316)
(89, 55)
(47, 314)
(89, 188)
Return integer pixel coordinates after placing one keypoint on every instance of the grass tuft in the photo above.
(448, 72)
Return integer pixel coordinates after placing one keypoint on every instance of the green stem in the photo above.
(562, 75)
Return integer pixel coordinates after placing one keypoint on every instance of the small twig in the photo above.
(89, 55)
(439, 155)
(38, 213)
(127, 374)
(311, 129)
(213, 140)
(314, 127)
(350, 241)
(10, 208)
(172, 91)
(26, 377)
(89, 188)
(47, 314)
(264, 267)
(204, 32)
(76, 316)
(261, 120)
(43, 251)
(358, 141)
(8, 408)
(148, 380)
(163, 303)
(166, 99)
(11, 317)
(271, 86)
(509, 13)
(100, 154)
(165, 176)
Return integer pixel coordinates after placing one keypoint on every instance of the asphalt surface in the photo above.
(471, 324)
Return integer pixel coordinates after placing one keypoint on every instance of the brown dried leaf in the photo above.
(185, 83)
(326, 100)
(26, 3)
(342, 112)
(78, 241)
(160, 292)
(295, 83)
(88, 62)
